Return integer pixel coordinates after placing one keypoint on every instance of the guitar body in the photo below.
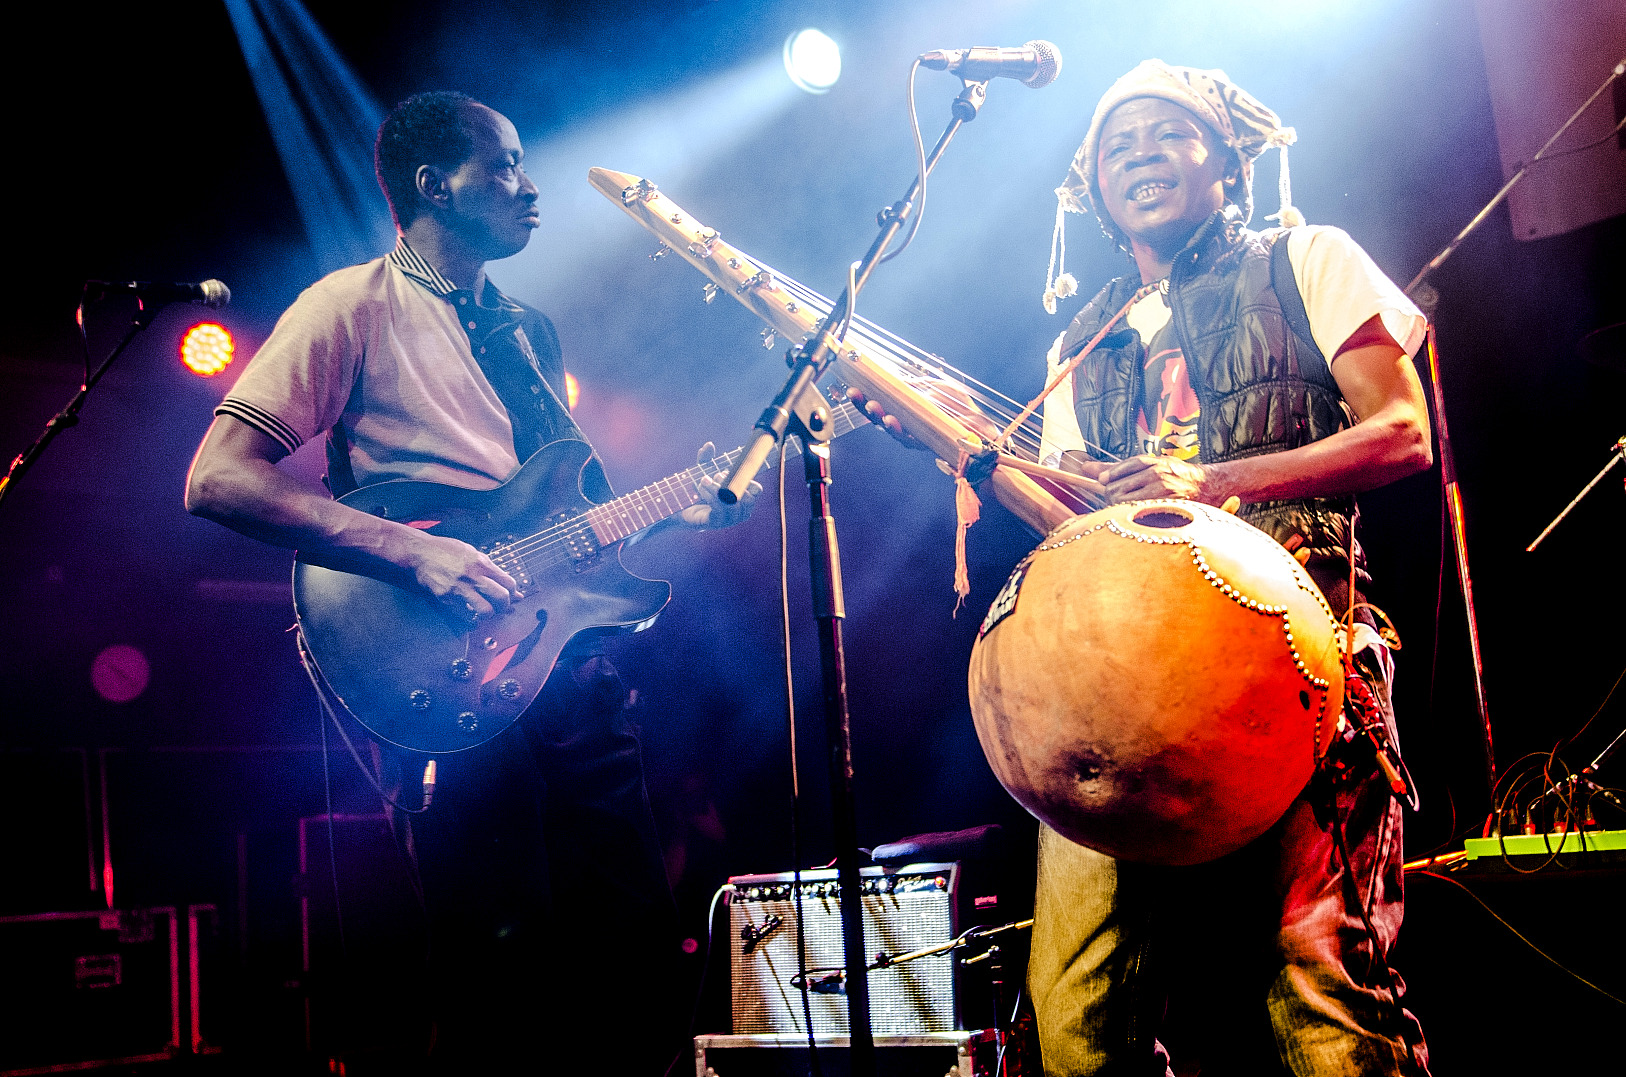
(418, 677)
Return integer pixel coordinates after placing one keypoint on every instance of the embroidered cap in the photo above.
(1241, 122)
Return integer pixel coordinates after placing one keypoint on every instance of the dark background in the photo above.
(137, 148)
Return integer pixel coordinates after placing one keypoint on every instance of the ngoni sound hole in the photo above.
(1163, 516)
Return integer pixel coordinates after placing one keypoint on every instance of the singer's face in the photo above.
(493, 202)
(1161, 171)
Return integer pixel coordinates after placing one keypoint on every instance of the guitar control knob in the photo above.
(489, 643)
(461, 669)
(468, 722)
(508, 689)
(419, 700)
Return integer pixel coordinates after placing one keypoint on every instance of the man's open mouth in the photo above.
(1147, 190)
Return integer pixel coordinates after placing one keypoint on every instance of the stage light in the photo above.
(206, 349)
(573, 390)
(812, 60)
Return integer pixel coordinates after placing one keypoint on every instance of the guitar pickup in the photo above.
(576, 535)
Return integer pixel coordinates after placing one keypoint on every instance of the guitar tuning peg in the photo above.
(769, 335)
(643, 190)
(661, 252)
(703, 242)
(709, 292)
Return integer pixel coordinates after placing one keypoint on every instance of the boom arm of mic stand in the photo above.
(69, 415)
(814, 357)
(1507, 188)
(1417, 290)
(1616, 457)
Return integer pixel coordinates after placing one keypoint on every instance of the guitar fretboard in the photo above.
(642, 509)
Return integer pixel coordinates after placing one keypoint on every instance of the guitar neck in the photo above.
(619, 520)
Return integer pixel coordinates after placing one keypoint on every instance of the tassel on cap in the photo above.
(1288, 216)
(1058, 283)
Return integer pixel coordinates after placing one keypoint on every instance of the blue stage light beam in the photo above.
(323, 122)
(670, 139)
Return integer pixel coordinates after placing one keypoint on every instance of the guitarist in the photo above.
(415, 366)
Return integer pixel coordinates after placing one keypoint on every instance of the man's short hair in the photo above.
(425, 129)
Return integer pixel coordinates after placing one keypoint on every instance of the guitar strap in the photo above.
(341, 477)
(510, 363)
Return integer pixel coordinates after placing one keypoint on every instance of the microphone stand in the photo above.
(1617, 454)
(69, 415)
(801, 410)
(1427, 297)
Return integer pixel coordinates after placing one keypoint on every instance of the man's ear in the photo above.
(1233, 177)
(431, 185)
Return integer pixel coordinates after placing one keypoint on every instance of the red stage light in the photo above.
(573, 390)
(207, 348)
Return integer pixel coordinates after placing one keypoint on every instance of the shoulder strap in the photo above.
(1286, 286)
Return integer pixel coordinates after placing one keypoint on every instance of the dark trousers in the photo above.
(553, 934)
(1257, 963)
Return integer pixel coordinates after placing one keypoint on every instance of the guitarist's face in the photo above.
(492, 204)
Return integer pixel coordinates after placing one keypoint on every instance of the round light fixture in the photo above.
(812, 60)
(207, 349)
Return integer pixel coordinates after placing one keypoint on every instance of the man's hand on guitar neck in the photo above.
(710, 513)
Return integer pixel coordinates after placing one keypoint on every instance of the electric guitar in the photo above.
(411, 674)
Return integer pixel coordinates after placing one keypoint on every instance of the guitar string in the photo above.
(915, 361)
(640, 502)
(652, 500)
(556, 539)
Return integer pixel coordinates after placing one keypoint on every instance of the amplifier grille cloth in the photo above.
(917, 996)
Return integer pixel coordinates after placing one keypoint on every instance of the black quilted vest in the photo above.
(1260, 380)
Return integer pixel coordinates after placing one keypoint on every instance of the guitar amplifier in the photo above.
(905, 909)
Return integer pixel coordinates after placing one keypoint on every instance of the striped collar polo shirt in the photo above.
(411, 378)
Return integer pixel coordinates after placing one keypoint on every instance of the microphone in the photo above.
(211, 293)
(1036, 64)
